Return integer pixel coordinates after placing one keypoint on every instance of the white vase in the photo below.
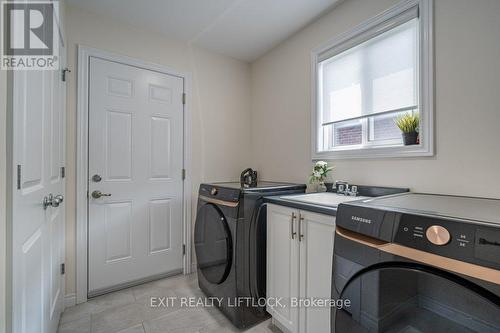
(321, 187)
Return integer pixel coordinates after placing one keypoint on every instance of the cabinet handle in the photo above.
(301, 235)
(291, 225)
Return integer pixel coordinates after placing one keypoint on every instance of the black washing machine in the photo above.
(417, 263)
(230, 245)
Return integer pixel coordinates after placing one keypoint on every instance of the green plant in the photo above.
(320, 172)
(408, 122)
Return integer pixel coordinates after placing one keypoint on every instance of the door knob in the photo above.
(60, 198)
(53, 201)
(97, 194)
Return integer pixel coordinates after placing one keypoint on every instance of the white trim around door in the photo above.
(84, 55)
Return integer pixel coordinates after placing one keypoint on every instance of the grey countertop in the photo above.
(368, 191)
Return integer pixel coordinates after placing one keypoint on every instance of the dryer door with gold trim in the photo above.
(213, 243)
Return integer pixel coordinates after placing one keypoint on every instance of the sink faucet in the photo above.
(343, 188)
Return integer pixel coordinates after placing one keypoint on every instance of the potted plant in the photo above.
(318, 175)
(408, 123)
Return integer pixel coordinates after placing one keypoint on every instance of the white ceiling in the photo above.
(243, 29)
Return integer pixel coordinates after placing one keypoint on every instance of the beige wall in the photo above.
(467, 103)
(220, 103)
(3, 239)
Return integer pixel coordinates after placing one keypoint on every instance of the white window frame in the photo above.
(383, 22)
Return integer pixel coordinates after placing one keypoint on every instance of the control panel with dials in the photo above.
(460, 239)
(452, 239)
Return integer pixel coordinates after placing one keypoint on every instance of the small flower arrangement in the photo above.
(320, 172)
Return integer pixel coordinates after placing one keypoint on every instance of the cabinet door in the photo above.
(282, 265)
(316, 232)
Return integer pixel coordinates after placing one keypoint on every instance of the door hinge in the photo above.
(18, 176)
(184, 98)
(183, 249)
(183, 174)
(63, 172)
(63, 268)
(63, 73)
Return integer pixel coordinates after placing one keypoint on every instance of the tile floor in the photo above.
(129, 311)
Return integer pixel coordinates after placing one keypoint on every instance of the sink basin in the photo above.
(323, 199)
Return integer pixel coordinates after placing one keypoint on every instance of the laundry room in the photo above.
(294, 166)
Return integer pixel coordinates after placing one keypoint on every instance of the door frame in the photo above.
(84, 54)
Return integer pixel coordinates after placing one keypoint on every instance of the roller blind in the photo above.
(377, 76)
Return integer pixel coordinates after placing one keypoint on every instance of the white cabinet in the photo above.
(299, 267)
(315, 281)
(282, 265)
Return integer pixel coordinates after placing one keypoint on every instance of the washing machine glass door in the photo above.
(213, 243)
(412, 298)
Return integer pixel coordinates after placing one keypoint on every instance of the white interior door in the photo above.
(37, 233)
(135, 157)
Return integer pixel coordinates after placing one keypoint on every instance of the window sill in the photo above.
(375, 152)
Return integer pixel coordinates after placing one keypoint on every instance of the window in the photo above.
(368, 77)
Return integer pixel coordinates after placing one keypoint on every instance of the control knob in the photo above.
(438, 235)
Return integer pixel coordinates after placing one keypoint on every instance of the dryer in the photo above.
(417, 263)
(230, 245)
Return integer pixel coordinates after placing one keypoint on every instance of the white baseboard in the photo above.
(69, 300)
(279, 325)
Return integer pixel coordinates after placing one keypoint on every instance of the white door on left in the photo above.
(37, 233)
